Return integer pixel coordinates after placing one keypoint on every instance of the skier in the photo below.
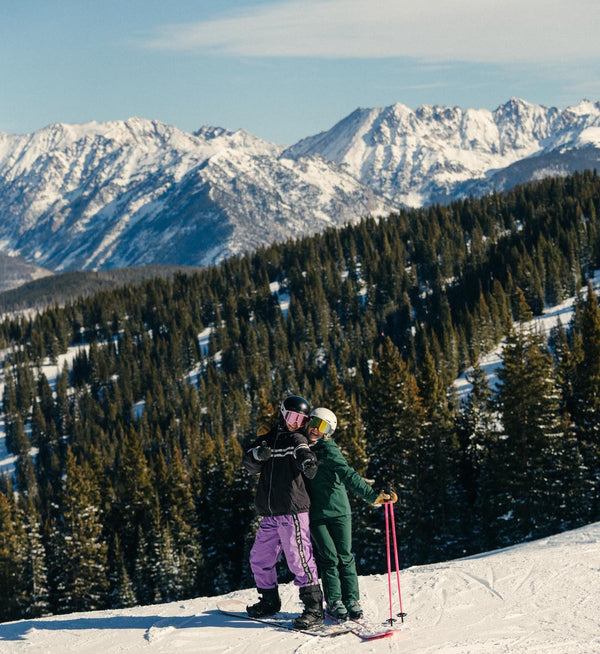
(330, 516)
(283, 460)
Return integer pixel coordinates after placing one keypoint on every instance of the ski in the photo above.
(237, 609)
(365, 630)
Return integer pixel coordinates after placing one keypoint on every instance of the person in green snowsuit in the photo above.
(331, 519)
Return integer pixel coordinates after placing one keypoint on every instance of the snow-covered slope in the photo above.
(534, 598)
(15, 272)
(491, 362)
(106, 195)
(439, 153)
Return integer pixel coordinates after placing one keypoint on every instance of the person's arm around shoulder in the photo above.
(306, 461)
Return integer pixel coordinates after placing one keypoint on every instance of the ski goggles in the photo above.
(322, 426)
(294, 418)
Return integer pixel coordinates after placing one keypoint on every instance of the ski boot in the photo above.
(355, 611)
(268, 604)
(312, 616)
(337, 610)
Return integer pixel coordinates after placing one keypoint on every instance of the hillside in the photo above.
(168, 380)
(63, 287)
(16, 272)
(534, 598)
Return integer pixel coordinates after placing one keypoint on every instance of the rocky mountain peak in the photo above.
(140, 192)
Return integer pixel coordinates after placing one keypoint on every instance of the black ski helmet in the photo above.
(295, 403)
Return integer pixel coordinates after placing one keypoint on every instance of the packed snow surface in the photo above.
(536, 598)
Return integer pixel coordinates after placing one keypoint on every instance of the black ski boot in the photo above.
(268, 604)
(312, 616)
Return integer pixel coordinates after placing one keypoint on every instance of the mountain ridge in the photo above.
(428, 154)
(140, 192)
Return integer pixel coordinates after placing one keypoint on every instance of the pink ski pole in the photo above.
(401, 614)
(389, 563)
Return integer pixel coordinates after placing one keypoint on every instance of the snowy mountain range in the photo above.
(436, 154)
(140, 192)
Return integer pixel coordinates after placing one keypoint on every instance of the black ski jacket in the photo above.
(281, 489)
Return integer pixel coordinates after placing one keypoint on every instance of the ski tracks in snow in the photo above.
(488, 601)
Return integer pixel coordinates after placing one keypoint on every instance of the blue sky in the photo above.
(285, 69)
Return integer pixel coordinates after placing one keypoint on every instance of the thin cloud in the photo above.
(591, 86)
(486, 31)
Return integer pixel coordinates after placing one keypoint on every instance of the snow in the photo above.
(490, 362)
(106, 189)
(533, 598)
(51, 371)
(123, 180)
(203, 338)
(283, 297)
(414, 157)
(584, 108)
(589, 136)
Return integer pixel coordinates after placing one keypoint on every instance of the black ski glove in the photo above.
(262, 453)
(309, 468)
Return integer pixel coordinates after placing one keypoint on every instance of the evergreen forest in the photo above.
(128, 486)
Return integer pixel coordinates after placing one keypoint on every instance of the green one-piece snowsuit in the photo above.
(331, 520)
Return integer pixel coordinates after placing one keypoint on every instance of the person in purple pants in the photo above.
(281, 457)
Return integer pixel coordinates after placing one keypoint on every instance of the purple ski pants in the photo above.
(290, 534)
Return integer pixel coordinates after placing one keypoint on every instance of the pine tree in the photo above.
(9, 405)
(438, 493)
(37, 593)
(120, 587)
(350, 432)
(13, 556)
(564, 364)
(142, 577)
(82, 582)
(478, 442)
(133, 492)
(521, 310)
(266, 414)
(165, 566)
(586, 396)
(529, 405)
(179, 516)
(393, 421)
(63, 414)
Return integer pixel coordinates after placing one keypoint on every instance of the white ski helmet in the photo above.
(324, 415)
